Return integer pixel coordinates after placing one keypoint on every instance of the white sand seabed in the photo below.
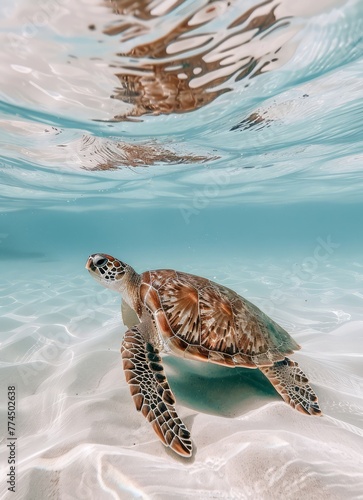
(79, 436)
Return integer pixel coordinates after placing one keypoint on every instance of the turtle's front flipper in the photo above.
(292, 384)
(151, 392)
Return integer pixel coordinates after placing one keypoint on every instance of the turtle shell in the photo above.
(203, 320)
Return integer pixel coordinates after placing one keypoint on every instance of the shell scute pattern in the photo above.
(279, 340)
(158, 278)
(180, 303)
(219, 332)
(207, 321)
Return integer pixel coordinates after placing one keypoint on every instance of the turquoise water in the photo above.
(219, 138)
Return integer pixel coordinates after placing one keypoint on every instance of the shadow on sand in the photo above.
(216, 389)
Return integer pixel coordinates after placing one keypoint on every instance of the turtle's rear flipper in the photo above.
(292, 384)
(151, 392)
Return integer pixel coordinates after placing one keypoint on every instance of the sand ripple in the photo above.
(79, 436)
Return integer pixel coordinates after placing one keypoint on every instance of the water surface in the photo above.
(219, 138)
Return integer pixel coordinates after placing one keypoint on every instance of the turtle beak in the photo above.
(88, 263)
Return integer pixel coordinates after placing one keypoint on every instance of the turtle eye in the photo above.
(100, 261)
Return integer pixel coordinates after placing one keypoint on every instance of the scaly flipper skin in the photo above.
(292, 384)
(151, 392)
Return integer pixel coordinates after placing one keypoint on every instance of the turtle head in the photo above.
(107, 270)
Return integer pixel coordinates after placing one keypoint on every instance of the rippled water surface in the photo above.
(222, 138)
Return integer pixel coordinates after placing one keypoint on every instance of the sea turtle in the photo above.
(193, 317)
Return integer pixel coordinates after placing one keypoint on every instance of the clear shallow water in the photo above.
(242, 171)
